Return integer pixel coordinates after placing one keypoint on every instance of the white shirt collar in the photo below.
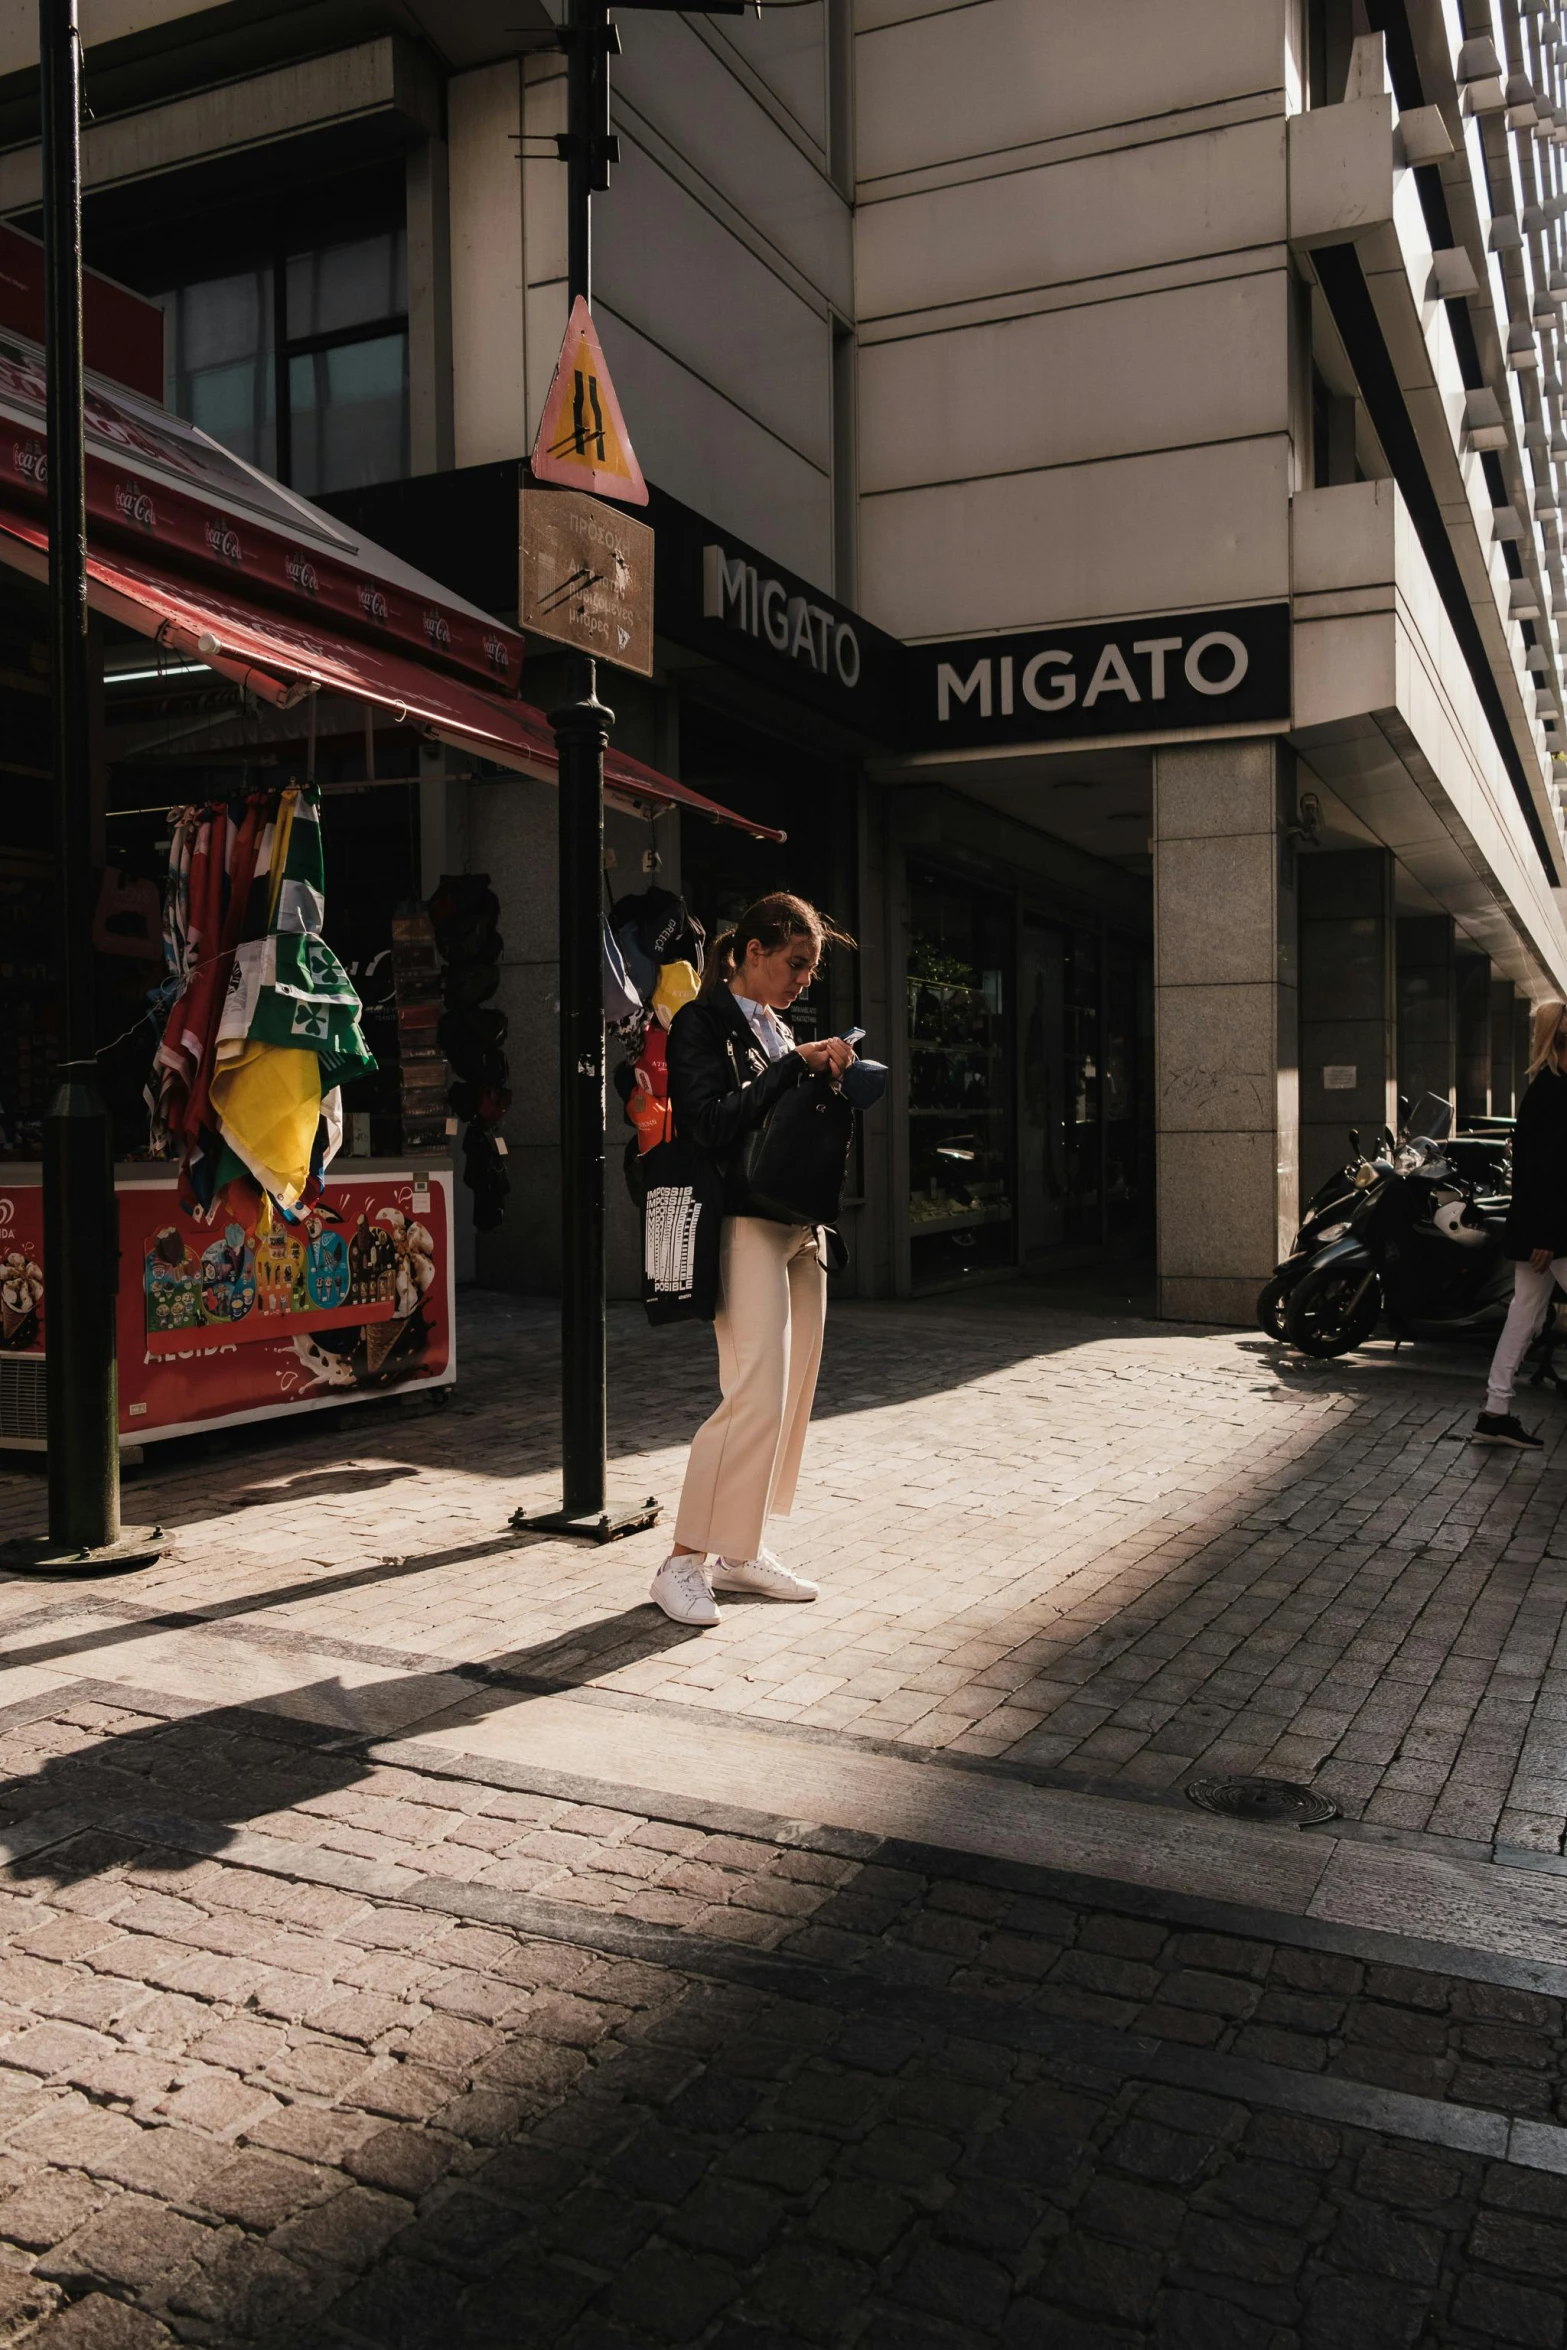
(765, 1026)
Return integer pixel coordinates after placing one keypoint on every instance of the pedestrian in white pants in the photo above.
(1536, 1223)
(730, 1059)
(745, 1460)
(1532, 1286)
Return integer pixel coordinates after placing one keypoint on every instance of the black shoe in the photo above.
(1505, 1428)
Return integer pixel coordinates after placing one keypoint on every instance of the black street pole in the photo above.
(81, 1241)
(581, 734)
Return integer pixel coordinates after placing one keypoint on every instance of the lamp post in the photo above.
(581, 727)
(81, 1240)
(589, 149)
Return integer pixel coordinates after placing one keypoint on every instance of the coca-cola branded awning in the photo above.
(213, 560)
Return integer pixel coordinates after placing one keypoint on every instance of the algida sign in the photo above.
(1208, 669)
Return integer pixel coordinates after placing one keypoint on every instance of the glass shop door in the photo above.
(1085, 1159)
(960, 1062)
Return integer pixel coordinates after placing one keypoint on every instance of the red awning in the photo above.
(282, 659)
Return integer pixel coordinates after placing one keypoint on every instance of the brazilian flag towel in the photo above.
(289, 1035)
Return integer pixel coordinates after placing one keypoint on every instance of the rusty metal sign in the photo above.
(586, 577)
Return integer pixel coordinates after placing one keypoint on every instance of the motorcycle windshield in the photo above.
(1431, 1119)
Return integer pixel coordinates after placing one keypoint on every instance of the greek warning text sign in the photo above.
(587, 577)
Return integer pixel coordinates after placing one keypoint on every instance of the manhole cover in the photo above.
(1277, 1801)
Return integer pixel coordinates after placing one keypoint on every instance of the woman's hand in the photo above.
(829, 1055)
(1540, 1258)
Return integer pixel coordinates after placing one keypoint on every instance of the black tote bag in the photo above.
(682, 1199)
(797, 1161)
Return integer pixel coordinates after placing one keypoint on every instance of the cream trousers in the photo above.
(772, 1303)
(1525, 1320)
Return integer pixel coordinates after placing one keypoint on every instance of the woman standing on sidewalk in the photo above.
(730, 1059)
(1536, 1222)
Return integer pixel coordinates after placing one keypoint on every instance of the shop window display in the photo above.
(959, 1015)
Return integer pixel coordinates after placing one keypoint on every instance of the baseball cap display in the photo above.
(678, 985)
(651, 928)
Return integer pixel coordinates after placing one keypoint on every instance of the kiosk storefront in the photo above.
(245, 640)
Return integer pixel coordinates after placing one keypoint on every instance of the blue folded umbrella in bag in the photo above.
(863, 1083)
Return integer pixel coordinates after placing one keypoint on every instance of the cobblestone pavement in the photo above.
(286, 2057)
(1120, 1552)
(335, 2010)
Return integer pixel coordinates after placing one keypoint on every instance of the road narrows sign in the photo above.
(582, 439)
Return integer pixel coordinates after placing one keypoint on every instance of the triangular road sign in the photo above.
(582, 440)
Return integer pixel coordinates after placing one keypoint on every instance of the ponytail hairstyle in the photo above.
(773, 921)
(1542, 1036)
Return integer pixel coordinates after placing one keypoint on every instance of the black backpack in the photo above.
(797, 1161)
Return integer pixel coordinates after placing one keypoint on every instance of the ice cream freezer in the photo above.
(223, 1320)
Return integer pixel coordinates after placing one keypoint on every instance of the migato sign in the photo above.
(1210, 669)
(742, 596)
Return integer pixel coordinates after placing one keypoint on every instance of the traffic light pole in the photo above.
(81, 1240)
(581, 734)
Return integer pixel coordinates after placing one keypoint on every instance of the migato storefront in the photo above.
(977, 813)
(997, 872)
(1016, 822)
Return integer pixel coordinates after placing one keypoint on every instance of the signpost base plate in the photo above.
(605, 1526)
(36, 1554)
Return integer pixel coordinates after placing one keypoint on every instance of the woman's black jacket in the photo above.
(1538, 1216)
(722, 1085)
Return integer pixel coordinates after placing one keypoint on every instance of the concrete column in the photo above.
(543, 253)
(489, 326)
(1502, 1025)
(429, 309)
(1472, 989)
(1225, 1023)
(1347, 1063)
(1523, 1023)
(1427, 1006)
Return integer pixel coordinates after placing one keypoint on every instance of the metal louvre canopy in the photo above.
(217, 563)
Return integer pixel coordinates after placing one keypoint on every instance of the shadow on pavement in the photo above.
(963, 2106)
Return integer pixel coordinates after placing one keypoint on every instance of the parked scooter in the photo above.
(1326, 1220)
(1482, 1161)
(1424, 1246)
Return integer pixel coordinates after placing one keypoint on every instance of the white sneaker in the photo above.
(682, 1590)
(763, 1574)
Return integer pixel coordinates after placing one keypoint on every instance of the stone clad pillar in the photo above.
(1346, 1006)
(1472, 989)
(1225, 1023)
(1504, 1040)
(1523, 1026)
(1427, 1006)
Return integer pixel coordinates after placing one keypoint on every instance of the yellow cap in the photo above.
(677, 984)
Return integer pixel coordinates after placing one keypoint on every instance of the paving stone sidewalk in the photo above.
(308, 2040)
(853, 2094)
(1118, 1551)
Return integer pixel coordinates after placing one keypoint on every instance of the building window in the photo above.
(1321, 434)
(219, 346)
(1332, 28)
(300, 364)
